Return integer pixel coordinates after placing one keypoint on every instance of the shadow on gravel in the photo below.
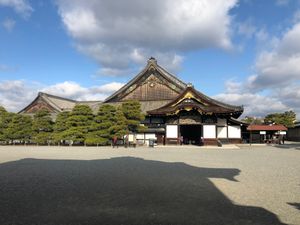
(289, 146)
(128, 191)
(296, 205)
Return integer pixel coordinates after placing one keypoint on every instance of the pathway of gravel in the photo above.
(86, 185)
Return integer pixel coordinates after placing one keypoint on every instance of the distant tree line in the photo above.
(79, 126)
(287, 119)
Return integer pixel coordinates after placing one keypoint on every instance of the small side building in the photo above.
(293, 133)
(273, 133)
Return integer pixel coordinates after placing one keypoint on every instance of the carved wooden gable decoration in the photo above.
(152, 84)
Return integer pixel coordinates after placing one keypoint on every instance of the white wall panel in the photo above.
(140, 136)
(234, 131)
(150, 136)
(209, 131)
(172, 131)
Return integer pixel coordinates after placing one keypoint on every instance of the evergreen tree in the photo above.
(101, 129)
(42, 127)
(5, 118)
(133, 114)
(78, 124)
(19, 129)
(287, 118)
(119, 128)
(60, 126)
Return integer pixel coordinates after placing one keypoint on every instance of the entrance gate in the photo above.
(191, 134)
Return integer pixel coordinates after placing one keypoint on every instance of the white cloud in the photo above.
(254, 104)
(9, 24)
(117, 34)
(108, 88)
(74, 91)
(22, 7)
(281, 65)
(16, 94)
(275, 85)
(66, 89)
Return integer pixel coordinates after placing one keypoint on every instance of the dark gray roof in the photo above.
(60, 104)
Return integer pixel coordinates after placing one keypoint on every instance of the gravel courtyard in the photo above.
(161, 185)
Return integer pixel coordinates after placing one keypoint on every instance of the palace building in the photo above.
(175, 111)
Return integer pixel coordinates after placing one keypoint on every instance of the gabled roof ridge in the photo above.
(151, 62)
(171, 75)
(49, 102)
(55, 96)
(130, 82)
(42, 96)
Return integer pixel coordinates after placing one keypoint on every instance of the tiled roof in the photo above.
(59, 103)
(145, 105)
(193, 99)
(271, 127)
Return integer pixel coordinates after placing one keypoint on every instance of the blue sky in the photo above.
(241, 52)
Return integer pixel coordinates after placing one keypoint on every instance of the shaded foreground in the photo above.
(122, 190)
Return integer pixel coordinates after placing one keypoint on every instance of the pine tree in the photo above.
(100, 130)
(19, 129)
(119, 128)
(42, 127)
(287, 118)
(5, 118)
(133, 114)
(60, 126)
(78, 124)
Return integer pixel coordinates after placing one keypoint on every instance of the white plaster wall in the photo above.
(150, 136)
(172, 131)
(234, 131)
(140, 136)
(222, 132)
(209, 131)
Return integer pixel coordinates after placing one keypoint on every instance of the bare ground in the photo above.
(167, 185)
